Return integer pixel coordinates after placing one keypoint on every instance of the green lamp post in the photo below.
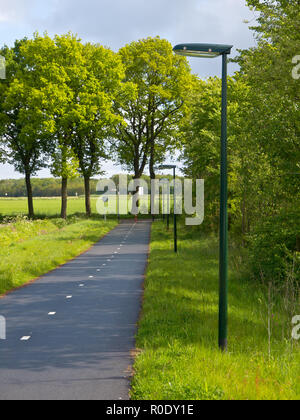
(212, 51)
(173, 167)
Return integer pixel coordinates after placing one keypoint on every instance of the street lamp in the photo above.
(118, 202)
(162, 167)
(165, 181)
(211, 51)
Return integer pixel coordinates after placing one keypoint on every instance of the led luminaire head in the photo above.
(202, 50)
(162, 167)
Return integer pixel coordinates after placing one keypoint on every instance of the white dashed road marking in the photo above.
(25, 338)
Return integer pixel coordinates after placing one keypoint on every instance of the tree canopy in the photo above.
(161, 82)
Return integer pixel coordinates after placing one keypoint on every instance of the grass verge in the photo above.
(29, 249)
(177, 336)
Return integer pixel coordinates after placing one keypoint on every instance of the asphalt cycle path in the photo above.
(70, 335)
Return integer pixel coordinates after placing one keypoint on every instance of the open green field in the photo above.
(51, 207)
(178, 357)
(43, 206)
(29, 249)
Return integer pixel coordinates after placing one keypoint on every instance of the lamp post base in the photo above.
(223, 344)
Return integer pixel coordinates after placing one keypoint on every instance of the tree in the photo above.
(161, 81)
(267, 69)
(84, 79)
(250, 175)
(92, 116)
(60, 63)
(24, 119)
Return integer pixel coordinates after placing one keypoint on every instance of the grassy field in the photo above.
(29, 249)
(50, 207)
(43, 206)
(177, 337)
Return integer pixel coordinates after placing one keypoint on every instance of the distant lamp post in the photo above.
(105, 201)
(118, 202)
(211, 51)
(162, 167)
(165, 181)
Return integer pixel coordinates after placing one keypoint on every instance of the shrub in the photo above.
(274, 247)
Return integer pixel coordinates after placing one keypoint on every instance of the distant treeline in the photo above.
(51, 187)
(43, 187)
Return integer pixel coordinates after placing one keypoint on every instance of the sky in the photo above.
(115, 23)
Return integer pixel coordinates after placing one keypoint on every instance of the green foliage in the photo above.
(246, 162)
(160, 82)
(273, 247)
(83, 80)
(275, 93)
(64, 163)
(24, 121)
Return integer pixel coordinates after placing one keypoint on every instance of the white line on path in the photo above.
(25, 338)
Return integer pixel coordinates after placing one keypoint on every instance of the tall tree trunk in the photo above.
(64, 197)
(87, 191)
(29, 195)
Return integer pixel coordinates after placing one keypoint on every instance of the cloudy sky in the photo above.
(115, 23)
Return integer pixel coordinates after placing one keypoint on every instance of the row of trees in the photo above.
(70, 105)
(43, 187)
(264, 142)
(51, 187)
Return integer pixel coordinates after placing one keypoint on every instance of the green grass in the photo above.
(51, 207)
(43, 206)
(29, 249)
(178, 356)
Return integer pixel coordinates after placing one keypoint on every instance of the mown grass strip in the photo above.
(177, 336)
(30, 249)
